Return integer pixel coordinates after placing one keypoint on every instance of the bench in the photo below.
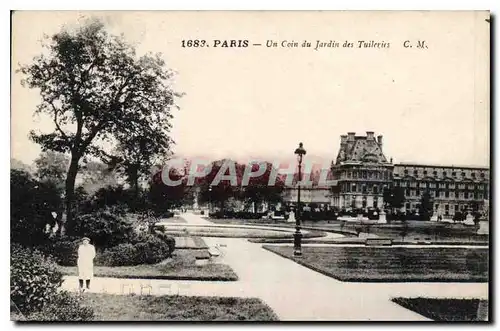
(378, 242)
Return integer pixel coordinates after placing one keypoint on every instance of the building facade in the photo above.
(362, 172)
(453, 188)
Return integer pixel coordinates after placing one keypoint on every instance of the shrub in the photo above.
(31, 205)
(63, 250)
(64, 307)
(170, 241)
(34, 279)
(144, 249)
(106, 228)
(120, 255)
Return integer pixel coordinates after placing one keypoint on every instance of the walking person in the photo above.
(86, 255)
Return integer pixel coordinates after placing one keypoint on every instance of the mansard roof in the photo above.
(361, 149)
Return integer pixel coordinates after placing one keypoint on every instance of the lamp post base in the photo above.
(297, 246)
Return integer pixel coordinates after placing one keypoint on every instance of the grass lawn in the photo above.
(444, 309)
(396, 264)
(437, 232)
(190, 243)
(109, 307)
(181, 266)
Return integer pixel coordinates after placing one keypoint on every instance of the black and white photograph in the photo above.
(250, 166)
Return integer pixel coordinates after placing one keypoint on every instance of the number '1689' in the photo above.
(193, 43)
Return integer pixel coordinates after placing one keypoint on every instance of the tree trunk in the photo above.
(70, 193)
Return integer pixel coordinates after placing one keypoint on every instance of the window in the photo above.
(403, 184)
(436, 207)
(423, 185)
(349, 174)
(471, 186)
(355, 174)
(463, 174)
(461, 195)
(480, 196)
(413, 184)
(442, 185)
(451, 185)
(418, 193)
(435, 173)
(407, 192)
(412, 193)
(473, 175)
(375, 189)
(441, 194)
(415, 173)
(425, 172)
(452, 194)
(461, 186)
(446, 194)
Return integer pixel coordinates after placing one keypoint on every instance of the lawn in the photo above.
(396, 264)
(437, 232)
(181, 267)
(190, 243)
(456, 310)
(109, 307)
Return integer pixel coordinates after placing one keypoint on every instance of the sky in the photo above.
(431, 105)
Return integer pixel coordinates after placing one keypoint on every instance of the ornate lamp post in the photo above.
(209, 200)
(297, 236)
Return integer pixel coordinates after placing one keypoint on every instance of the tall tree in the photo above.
(259, 190)
(394, 197)
(96, 90)
(426, 206)
(52, 166)
(138, 152)
(220, 193)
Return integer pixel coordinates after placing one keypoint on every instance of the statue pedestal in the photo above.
(381, 218)
(434, 218)
(469, 220)
(484, 228)
(291, 217)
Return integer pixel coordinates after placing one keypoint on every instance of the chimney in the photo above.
(350, 136)
(379, 140)
(343, 139)
(370, 135)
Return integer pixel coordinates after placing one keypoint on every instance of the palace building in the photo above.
(362, 172)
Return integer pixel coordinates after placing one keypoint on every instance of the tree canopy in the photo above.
(98, 93)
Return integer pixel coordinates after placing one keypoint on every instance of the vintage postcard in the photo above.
(250, 166)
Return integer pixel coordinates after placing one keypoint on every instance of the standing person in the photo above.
(86, 255)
